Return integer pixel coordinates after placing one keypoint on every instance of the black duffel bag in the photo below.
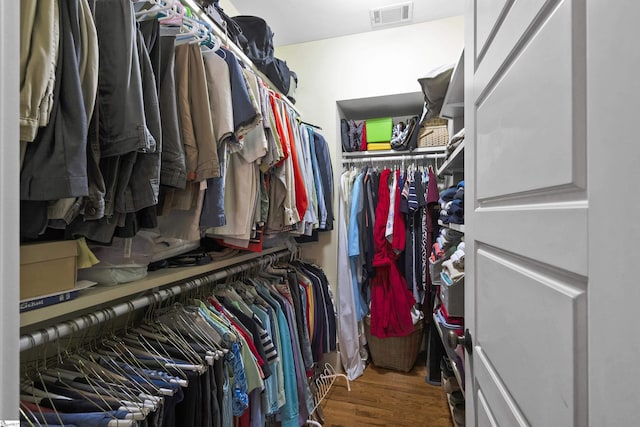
(259, 44)
(278, 72)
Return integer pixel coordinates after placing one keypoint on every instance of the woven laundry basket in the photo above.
(397, 353)
(433, 133)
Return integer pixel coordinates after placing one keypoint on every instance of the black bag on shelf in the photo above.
(344, 135)
(259, 44)
(233, 30)
(351, 135)
(254, 36)
(278, 72)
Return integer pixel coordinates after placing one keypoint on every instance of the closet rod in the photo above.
(69, 327)
(235, 49)
(391, 159)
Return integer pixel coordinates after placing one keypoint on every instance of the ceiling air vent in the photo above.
(391, 15)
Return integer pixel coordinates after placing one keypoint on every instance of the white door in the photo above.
(9, 205)
(527, 206)
(552, 105)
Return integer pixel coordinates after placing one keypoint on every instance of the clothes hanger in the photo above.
(189, 30)
(114, 368)
(111, 377)
(121, 394)
(132, 353)
(176, 321)
(136, 411)
(160, 350)
(206, 37)
(174, 14)
(124, 353)
(182, 379)
(115, 383)
(198, 332)
(196, 29)
(58, 382)
(176, 340)
(29, 420)
(36, 392)
(155, 7)
(219, 321)
(25, 416)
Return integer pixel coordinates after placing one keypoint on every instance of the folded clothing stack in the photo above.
(127, 260)
(452, 205)
(454, 142)
(445, 244)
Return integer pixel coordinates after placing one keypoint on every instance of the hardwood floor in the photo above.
(383, 397)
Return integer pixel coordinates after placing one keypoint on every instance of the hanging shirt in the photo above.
(388, 233)
(347, 318)
(354, 246)
(301, 192)
(289, 411)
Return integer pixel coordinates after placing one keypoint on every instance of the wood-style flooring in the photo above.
(383, 397)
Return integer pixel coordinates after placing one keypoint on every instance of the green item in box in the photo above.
(379, 130)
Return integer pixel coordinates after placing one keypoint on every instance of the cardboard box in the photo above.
(47, 267)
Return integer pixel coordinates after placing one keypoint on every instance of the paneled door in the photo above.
(552, 105)
(526, 213)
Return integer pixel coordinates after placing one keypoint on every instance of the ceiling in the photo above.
(298, 21)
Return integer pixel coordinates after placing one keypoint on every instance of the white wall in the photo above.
(378, 63)
(228, 8)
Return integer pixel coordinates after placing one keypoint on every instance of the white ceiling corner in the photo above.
(296, 21)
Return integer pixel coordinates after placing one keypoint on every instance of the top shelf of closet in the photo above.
(220, 33)
(454, 163)
(93, 298)
(453, 104)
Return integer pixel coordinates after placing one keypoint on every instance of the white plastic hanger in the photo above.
(156, 6)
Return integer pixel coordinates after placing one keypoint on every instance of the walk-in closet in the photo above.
(232, 213)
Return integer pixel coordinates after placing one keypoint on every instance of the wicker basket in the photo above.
(397, 353)
(433, 133)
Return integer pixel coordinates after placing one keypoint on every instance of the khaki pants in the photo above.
(39, 37)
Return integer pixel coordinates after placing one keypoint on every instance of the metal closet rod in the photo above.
(63, 329)
(393, 159)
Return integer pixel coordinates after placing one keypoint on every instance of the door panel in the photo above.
(522, 227)
(498, 401)
(527, 211)
(485, 417)
(531, 140)
(487, 16)
(530, 310)
(521, 21)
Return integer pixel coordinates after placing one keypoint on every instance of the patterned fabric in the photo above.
(240, 398)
